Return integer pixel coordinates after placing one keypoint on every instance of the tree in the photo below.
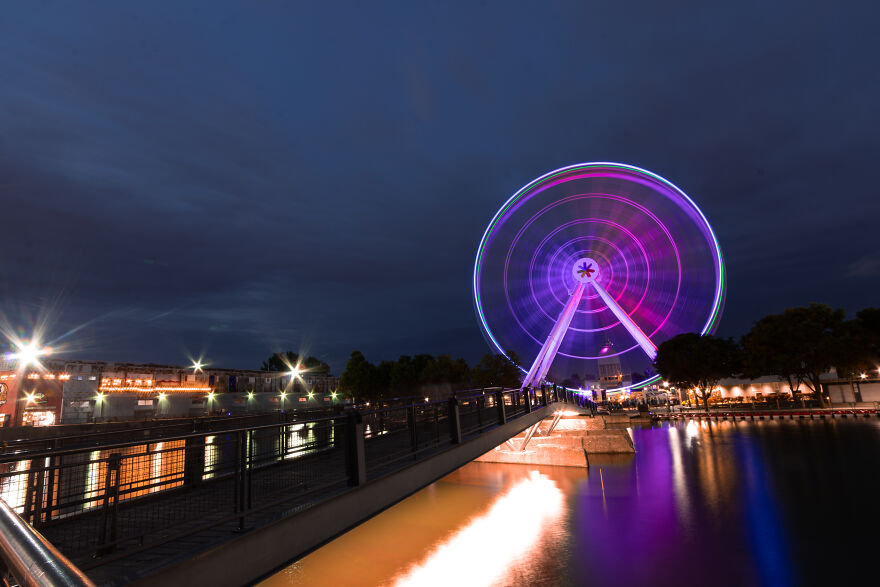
(698, 362)
(405, 376)
(773, 347)
(358, 381)
(854, 351)
(444, 369)
(817, 327)
(869, 319)
(497, 371)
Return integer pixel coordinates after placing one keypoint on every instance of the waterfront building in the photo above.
(87, 391)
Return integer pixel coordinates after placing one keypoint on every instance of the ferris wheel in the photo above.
(587, 269)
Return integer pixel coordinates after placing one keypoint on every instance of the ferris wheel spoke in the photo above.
(649, 347)
(548, 351)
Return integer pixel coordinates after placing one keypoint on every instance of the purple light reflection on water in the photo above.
(703, 503)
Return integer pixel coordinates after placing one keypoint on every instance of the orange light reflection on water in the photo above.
(483, 552)
(483, 524)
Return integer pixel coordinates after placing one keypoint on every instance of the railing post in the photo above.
(543, 395)
(411, 424)
(355, 457)
(527, 396)
(481, 400)
(241, 477)
(193, 460)
(50, 484)
(499, 402)
(454, 421)
(109, 508)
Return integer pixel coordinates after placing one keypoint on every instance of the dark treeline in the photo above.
(423, 375)
(798, 346)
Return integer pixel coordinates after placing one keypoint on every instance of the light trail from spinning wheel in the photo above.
(588, 268)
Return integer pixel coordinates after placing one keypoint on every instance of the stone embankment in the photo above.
(570, 443)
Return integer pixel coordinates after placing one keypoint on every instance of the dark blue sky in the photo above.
(230, 179)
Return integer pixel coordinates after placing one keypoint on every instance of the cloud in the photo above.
(867, 266)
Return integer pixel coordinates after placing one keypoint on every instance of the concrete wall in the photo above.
(843, 392)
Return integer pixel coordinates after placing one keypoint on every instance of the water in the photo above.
(720, 503)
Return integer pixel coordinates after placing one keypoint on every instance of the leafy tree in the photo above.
(445, 369)
(405, 376)
(358, 381)
(773, 346)
(854, 349)
(818, 328)
(869, 319)
(698, 362)
(497, 371)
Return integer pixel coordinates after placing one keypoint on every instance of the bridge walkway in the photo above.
(129, 511)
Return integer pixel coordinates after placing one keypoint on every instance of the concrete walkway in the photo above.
(568, 444)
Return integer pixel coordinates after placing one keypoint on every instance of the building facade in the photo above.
(96, 391)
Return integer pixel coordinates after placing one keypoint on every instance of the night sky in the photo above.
(238, 178)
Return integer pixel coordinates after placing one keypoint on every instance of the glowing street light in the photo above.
(210, 395)
(295, 372)
(161, 396)
(311, 394)
(333, 394)
(250, 395)
(197, 366)
(30, 397)
(28, 353)
(863, 375)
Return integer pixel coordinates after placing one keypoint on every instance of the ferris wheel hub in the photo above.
(585, 270)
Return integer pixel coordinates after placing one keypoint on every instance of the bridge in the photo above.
(179, 508)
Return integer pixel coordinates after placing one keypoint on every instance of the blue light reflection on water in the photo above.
(717, 503)
(745, 503)
(767, 536)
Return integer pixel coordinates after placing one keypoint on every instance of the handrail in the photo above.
(41, 453)
(31, 559)
(162, 424)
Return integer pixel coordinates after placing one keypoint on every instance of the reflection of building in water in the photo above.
(87, 391)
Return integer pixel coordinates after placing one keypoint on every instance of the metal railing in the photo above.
(100, 505)
(30, 560)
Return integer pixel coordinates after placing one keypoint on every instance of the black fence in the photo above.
(113, 503)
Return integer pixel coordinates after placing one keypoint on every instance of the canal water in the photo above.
(717, 503)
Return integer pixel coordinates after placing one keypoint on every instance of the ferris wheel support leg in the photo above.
(547, 353)
(649, 347)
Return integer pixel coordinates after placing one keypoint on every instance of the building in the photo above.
(90, 391)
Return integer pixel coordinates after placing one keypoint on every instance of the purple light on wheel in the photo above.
(658, 271)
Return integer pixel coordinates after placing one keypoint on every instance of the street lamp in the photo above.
(28, 353)
(99, 400)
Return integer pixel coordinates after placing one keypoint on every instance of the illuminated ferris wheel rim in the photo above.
(538, 185)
